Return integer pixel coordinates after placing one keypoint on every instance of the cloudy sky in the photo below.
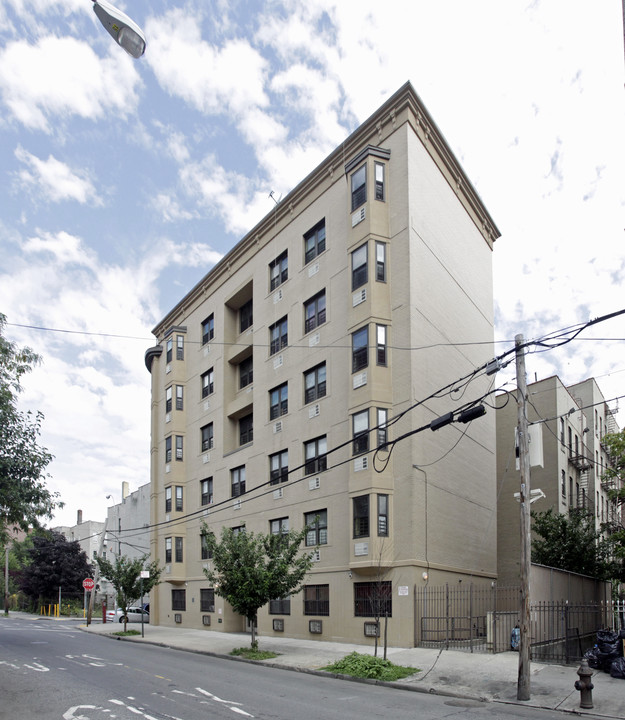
(122, 182)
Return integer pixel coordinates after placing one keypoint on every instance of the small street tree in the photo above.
(614, 478)
(47, 561)
(125, 576)
(24, 498)
(252, 569)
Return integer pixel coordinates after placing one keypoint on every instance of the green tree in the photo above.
(570, 542)
(614, 478)
(252, 569)
(125, 576)
(47, 562)
(24, 498)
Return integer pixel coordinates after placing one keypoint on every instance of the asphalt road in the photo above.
(54, 671)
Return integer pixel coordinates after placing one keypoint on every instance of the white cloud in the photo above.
(56, 78)
(55, 180)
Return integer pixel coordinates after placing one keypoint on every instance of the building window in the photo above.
(278, 336)
(179, 397)
(178, 599)
(246, 429)
(206, 491)
(373, 599)
(178, 447)
(279, 270)
(562, 431)
(167, 549)
(279, 401)
(179, 347)
(315, 242)
(206, 434)
(178, 549)
(563, 483)
(361, 516)
(169, 353)
(379, 181)
(315, 383)
(168, 449)
(381, 344)
(237, 530)
(315, 311)
(237, 481)
(204, 547)
(315, 455)
(207, 379)
(383, 515)
(360, 432)
(317, 600)
(168, 494)
(360, 349)
(279, 467)
(246, 372)
(179, 504)
(359, 187)
(380, 262)
(280, 526)
(280, 606)
(359, 267)
(168, 399)
(208, 329)
(207, 600)
(382, 419)
(246, 315)
(317, 524)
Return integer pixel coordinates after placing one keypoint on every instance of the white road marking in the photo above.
(69, 714)
(230, 703)
(37, 667)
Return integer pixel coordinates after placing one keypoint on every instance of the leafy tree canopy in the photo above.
(614, 474)
(24, 498)
(570, 542)
(252, 569)
(48, 561)
(125, 576)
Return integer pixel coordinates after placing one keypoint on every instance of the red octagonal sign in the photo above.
(88, 584)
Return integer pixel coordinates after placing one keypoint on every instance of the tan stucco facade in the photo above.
(407, 264)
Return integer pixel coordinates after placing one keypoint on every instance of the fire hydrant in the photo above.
(584, 685)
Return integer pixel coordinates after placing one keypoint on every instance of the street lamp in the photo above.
(120, 27)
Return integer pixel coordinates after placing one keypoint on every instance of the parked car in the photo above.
(133, 615)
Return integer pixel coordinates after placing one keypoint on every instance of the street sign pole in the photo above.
(144, 574)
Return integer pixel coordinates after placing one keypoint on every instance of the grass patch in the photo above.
(250, 654)
(367, 666)
(126, 633)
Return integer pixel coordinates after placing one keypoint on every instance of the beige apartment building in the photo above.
(320, 337)
(567, 427)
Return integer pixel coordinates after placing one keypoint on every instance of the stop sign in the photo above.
(88, 584)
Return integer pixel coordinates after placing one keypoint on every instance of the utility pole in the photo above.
(96, 574)
(523, 684)
(6, 579)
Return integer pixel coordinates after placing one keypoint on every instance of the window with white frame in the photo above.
(315, 383)
(380, 262)
(383, 515)
(208, 329)
(381, 344)
(206, 491)
(279, 467)
(382, 430)
(237, 481)
(278, 335)
(379, 182)
(314, 242)
(167, 549)
(359, 187)
(206, 437)
(315, 455)
(207, 380)
(169, 350)
(360, 349)
(179, 397)
(360, 432)
(179, 492)
(169, 392)
(317, 524)
(279, 401)
(179, 347)
(168, 499)
(359, 267)
(279, 270)
(315, 311)
(168, 449)
(179, 443)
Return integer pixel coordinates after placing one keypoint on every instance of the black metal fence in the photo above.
(478, 618)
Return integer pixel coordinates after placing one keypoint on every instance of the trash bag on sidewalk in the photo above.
(609, 648)
(617, 669)
(592, 656)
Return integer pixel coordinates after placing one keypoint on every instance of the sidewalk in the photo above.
(447, 672)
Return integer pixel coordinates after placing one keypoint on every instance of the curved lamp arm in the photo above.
(121, 28)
